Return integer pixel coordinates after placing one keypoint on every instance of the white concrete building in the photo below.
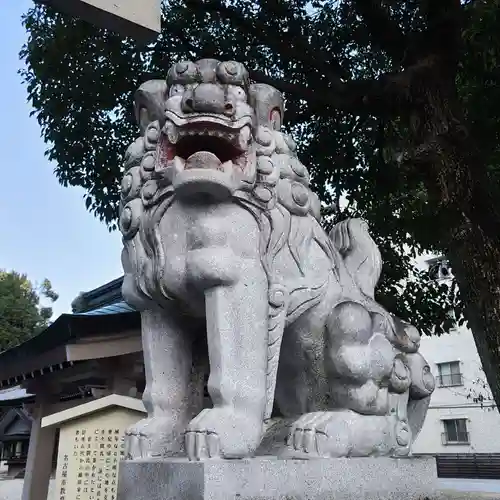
(462, 416)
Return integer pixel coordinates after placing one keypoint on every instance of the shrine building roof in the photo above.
(101, 325)
(15, 424)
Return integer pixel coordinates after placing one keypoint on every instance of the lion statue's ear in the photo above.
(149, 103)
(268, 105)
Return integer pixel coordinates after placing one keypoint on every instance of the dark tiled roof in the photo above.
(102, 311)
(116, 308)
(70, 327)
(93, 313)
(106, 294)
(10, 417)
(13, 394)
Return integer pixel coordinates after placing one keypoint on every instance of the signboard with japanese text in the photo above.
(90, 449)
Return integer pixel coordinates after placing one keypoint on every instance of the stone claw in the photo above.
(134, 438)
(150, 438)
(341, 433)
(308, 434)
(200, 441)
(221, 432)
(202, 445)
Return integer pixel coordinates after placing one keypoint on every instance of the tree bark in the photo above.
(475, 264)
(465, 204)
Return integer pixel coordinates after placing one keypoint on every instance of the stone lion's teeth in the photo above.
(227, 166)
(244, 138)
(174, 167)
(178, 163)
(233, 137)
(172, 133)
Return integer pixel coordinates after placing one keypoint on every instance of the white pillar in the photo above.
(40, 453)
(140, 19)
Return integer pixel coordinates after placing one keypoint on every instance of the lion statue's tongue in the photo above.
(203, 159)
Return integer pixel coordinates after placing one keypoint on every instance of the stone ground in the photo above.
(460, 495)
(453, 489)
(471, 488)
(10, 489)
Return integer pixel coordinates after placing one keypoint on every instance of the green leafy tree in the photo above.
(21, 314)
(393, 103)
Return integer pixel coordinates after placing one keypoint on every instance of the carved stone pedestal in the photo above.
(271, 478)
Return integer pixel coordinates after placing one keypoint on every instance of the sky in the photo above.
(45, 230)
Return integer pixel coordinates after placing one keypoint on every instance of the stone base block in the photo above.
(272, 478)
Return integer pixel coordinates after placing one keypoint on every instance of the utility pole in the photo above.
(139, 19)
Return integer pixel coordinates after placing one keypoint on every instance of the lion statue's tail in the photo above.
(359, 252)
(363, 261)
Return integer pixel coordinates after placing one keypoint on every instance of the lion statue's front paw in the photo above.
(222, 432)
(153, 438)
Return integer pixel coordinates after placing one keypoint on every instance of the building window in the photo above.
(439, 269)
(449, 374)
(455, 431)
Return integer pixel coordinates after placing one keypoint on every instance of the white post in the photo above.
(40, 453)
(140, 19)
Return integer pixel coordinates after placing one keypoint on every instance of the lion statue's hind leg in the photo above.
(380, 385)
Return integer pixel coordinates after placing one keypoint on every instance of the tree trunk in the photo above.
(465, 204)
(475, 263)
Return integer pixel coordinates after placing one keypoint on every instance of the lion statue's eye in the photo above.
(237, 93)
(232, 72)
(275, 119)
(183, 72)
(176, 89)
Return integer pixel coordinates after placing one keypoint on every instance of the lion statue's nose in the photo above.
(207, 98)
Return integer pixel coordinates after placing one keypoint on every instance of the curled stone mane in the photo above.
(282, 201)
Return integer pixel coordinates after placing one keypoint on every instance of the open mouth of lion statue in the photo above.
(205, 155)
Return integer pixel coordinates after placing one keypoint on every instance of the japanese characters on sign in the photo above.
(97, 454)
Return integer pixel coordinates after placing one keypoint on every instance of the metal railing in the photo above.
(456, 438)
(469, 465)
(450, 380)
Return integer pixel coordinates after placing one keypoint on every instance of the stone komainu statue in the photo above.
(225, 257)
